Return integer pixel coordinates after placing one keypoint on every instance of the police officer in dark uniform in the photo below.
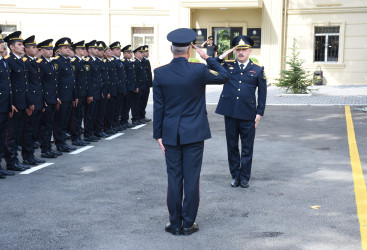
(142, 85)
(81, 82)
(130, 85)
(180, 125)
(5, 104)
(113, 90)
(105, 95)
(145, 92)
(50, 97)
(66, 91)
(93, 90)
(121, 76)
(211, 48)
(20, 97)
(238, 105)
(32, 122)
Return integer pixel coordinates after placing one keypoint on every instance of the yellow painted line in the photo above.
(359, 183)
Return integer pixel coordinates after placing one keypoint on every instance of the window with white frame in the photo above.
(7, 29)
(326, 43)
(143, 36)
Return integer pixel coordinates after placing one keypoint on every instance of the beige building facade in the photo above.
(329, 34)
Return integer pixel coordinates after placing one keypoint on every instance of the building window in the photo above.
(327, 44)
(143, 36)
(7, 29)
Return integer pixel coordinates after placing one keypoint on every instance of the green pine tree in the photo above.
(295, 79)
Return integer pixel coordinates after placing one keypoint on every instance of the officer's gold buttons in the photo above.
(238, 98)
(241, 74)
(240, 81)
(239, 89)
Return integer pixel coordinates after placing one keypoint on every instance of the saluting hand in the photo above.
(225, 54)
(201, 52)
(160, 143)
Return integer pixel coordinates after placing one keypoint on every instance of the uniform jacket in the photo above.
(19, 82)
(105, 86)
(238, 99)
(5, 88)
(114, 82)
(179, 100)
(130, 75)
(81, 77)
(148, 70)
(121, 75)
(141, 76)
(34, 83)
(94, 78)
(48, 81)
(65, 79)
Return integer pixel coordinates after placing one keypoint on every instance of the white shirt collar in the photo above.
(244, 64)
(78, 57)
(1, 57)
(93, 57)
(17, 56)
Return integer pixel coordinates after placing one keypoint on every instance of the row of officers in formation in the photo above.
(50, 90)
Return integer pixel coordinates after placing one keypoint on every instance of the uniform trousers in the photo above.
(119, 115)
(77, 118)
(15, 131)
(4, 120)
(28, 140)
(61, 123)
(100, 119)
(143, 102)
(90, 113)
(135, 106)
(47, 127)
(111, 112)
(240, 166)
(126, 107)
(183, 170)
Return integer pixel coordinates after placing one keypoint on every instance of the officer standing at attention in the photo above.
(238, 105)
(145, 93)
(141, 85)
(32, 122)
(120, 70)
(50, 98)
(5, 104)
(130, 85)
(20, 98)
(93, 90)
(81, 82)
(66, 91)
(180, 125)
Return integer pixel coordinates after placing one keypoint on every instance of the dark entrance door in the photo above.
(223, 37)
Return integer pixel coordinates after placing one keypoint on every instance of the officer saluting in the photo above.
(180, 125)
(238, 105)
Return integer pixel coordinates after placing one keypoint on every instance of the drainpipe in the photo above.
(284, 47)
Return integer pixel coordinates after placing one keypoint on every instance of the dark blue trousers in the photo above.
(61, 123)
(240, 166)
(126, 107)
(4, 119)
(15, 132)
(29, 127)
(143, 102)
(77, 118)
(100, 120)
(111, 112)
(183, 170)
(90, 114)
(47, 127)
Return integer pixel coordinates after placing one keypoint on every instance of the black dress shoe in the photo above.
(136, 123)
(170, 229)
(84, 142)
(190, 230)
(6, 172)
(123, 127)
(62, 149)
(16, 167)
(71, 148)
(141, 121)
(57, 153)
(68, 136)
(17, 163)
(118, 128)
(48, 154)
(105, 135)
(244, 184)
(38, 161)
(147, 119)
(29, 162)
(235, 182)
(35, 146)
(90, 139)
(78, 143)
(129, 125)
(109, 132)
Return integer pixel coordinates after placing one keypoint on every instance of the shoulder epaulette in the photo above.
(257, 64)
(73, 59)
(112, 59)
(57, 57)
(24, 59)
(7, 57)
(104, 60)
(86, 59)
(39, 60)
(229, 60)
(132, 60)
(123, 59)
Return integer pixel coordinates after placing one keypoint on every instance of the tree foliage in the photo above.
(295, 79)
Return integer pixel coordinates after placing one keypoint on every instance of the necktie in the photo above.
(241, 66)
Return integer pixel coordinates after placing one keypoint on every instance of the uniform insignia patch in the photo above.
(104, 60)
(56, 66)
(213, 72)
(251, 71)
(57, 57)
(39, 60)
(73, 59)
(112, 59)
(231, 68)
(25, 59)
(87, 67)
(7, 57)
